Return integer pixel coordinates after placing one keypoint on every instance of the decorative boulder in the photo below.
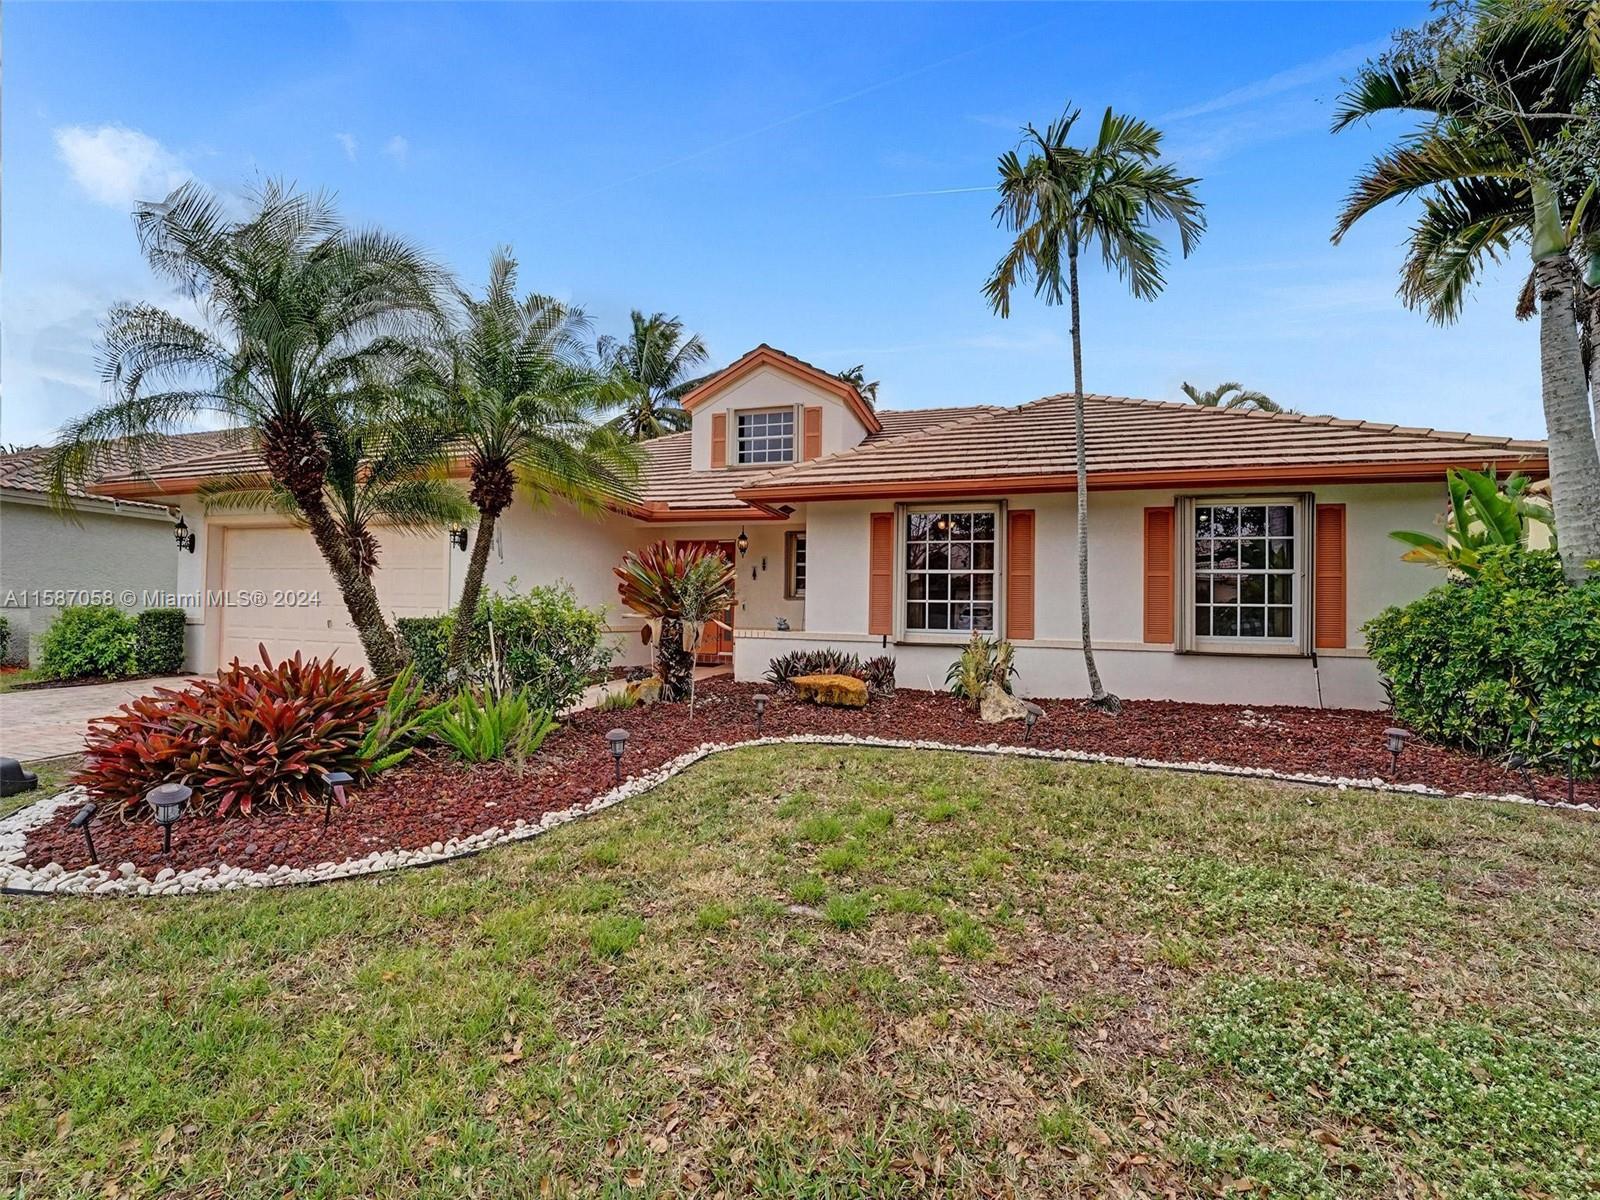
(839, 691)
(645, 691)
(995, 704)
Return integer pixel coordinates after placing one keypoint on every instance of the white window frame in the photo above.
(943, 637)
(740, 414)
(1298, 643)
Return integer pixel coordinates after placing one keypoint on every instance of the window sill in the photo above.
(1246, 650)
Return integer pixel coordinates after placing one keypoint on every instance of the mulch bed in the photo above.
(433, 798)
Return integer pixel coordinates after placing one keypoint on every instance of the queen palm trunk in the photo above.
(676, 664)
(1098, 695)
(1574, 459)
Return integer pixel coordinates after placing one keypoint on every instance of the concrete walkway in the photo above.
(47, 722)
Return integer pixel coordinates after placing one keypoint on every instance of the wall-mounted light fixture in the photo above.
(183, 535)
(458, 538)
(743, 542)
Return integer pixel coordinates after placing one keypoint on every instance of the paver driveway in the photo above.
(47, 722)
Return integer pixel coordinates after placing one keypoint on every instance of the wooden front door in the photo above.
(716, 643)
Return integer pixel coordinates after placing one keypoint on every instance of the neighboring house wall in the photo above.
(1051, 663)
(128, 558)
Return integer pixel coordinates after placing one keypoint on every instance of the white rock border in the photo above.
(125, 880)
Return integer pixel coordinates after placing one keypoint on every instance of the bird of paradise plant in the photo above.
(1482, 513)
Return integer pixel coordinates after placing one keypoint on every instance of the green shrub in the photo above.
(546, 643)
(1508, 661)
(5, 639)
(485, 727)
(89, 640)
(426, 639)
(158, 641)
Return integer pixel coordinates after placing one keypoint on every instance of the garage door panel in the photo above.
(283, 565)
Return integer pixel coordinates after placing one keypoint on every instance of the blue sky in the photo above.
(794, 174)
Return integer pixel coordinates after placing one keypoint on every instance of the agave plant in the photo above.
(1482, 514)
(678, 590)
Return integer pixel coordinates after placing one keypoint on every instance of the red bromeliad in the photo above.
(255, 735)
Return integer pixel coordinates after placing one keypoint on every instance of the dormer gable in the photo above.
(769, 409)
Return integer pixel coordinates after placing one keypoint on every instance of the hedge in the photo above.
(1506, 662)
(158, 637)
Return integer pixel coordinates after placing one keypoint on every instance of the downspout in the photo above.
(1316, 674)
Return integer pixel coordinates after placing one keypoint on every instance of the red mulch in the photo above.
(433, 799)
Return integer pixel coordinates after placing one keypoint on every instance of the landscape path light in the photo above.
(760, 699)
(335, 782)
(1033, 713)
(1397, 739)
(617, 739)
(167, 802)
(81, 820)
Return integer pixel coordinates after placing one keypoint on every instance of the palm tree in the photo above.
(678, 590)
(299, 317)
(1496, 100)
(376, 476)
(1062, 201)
(1231, 395)
(514, 393)
(856, 377)
(654, 367)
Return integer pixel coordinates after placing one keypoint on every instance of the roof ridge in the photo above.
(893, 439)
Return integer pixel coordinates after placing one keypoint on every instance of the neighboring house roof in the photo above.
(1133, 443)
(28, 469)
(769, 356)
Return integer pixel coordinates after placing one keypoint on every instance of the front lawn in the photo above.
(803, 971)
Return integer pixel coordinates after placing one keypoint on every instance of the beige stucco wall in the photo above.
(767, 387)
(1051, 664)
(129, 555)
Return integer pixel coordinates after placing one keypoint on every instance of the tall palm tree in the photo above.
(1496, 99)
(1231, 395)
(299, 315)
(376, 476)
(654, 367)
(856, 377)
(513, 391)
(1062, 201)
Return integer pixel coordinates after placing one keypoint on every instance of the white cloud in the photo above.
(119, 166)
(398, 149)
(349, 143)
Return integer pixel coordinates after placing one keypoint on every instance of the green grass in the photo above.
(13, 679)
(1076, 981)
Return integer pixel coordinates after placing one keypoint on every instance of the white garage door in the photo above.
(303, 609)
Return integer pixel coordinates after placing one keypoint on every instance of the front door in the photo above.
(716, 643)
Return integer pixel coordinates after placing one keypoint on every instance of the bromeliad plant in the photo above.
(678, 590)
(1482, 514)
(982, 662)
(255, 736)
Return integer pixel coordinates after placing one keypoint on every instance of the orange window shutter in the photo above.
(719, 439)
(1328, 562)
(1160, 590)
(880, 585)
(813, 432)
(1019, 574)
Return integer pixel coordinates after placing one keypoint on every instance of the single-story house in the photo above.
(1234, 555)
(109, 550)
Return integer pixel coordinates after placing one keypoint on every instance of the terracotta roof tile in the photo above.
(27, 469)
(1133, 438)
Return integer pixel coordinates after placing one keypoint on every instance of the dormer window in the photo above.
(766, 436)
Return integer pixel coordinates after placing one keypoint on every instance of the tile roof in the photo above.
(766, 355)
(27, 469)
(1135, 443)
(666, 477)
